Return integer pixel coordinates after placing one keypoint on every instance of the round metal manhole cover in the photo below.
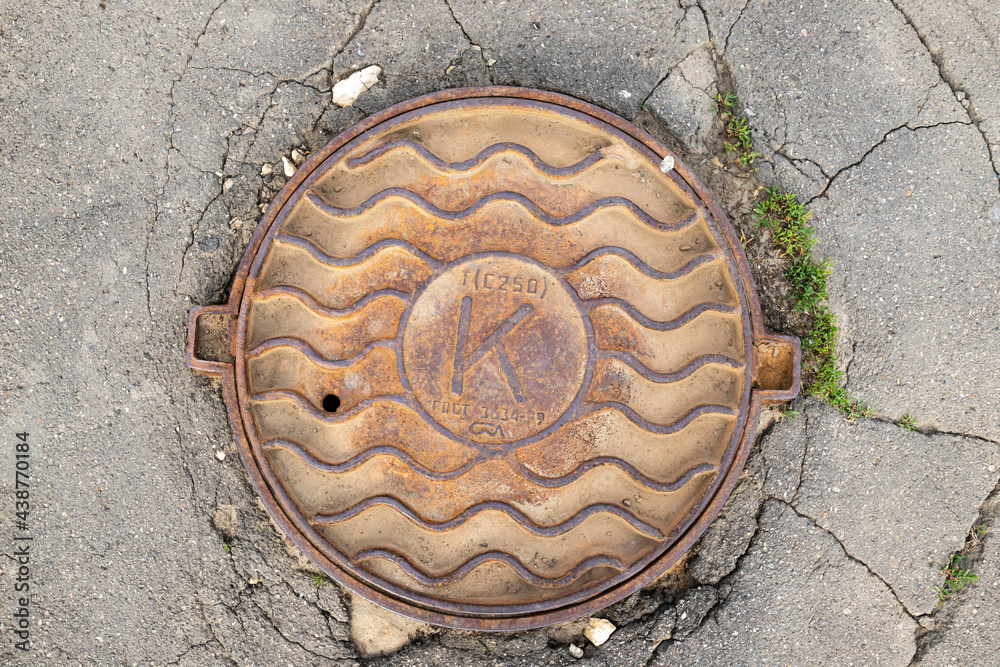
(491, 367)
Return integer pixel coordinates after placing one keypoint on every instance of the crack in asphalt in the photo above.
(943, 615)
(472, 43)
(956, 86)
(792, 160)
(802, 462)
(676, 65)
(359, 25)
(739, 16)
(932, 432)
(850, 556)
(676, 68)
(255, 125)
(884, 139)
(171, 129)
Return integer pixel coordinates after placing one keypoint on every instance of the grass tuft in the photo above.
(737, 130)
(808, 277)
(788, 222)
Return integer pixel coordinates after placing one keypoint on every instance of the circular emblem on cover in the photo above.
(495, 349)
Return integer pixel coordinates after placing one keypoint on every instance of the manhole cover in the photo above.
(487, 365)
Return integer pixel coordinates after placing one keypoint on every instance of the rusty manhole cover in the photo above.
(487, 364)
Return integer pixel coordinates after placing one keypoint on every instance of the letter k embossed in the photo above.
(464, 359)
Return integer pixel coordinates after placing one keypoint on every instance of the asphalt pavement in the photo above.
(139, 142)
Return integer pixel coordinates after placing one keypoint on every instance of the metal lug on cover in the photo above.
(779, 361)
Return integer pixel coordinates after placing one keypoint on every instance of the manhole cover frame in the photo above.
(228, 319)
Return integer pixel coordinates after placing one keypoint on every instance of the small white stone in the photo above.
(575, 651)
(297, 157)
(266, 169)
(598, 630)
(221, 455)
(347, 91)
(847, 612)
(289, 166)
(666, 164)
(991, 468)
(625, 94)
(228, 183)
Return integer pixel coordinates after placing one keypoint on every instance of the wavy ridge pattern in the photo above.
(297, 262)
(306, 350)
(334, 333)
(524, 520)
(632, 471)
(612, 276)
(610, 433)
(490, 556)
(303, 404)
(357, 258)
(666, 378)
(665, 428)
(529, 205)
(337, 313)
(657, 325)
(500, 223)
(667, 351)
(483, 155)
(291, 367)
(357, 461)
(640, 265)
(379, 422)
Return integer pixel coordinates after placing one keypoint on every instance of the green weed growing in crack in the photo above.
(736, 128)
(319, 580)
(788, 413)
(908, 421)
(227, 547)
(788, 221)
(723, 102)
(955, 578)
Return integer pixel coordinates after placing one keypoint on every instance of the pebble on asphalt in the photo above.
(598, 630)
(346, 91)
